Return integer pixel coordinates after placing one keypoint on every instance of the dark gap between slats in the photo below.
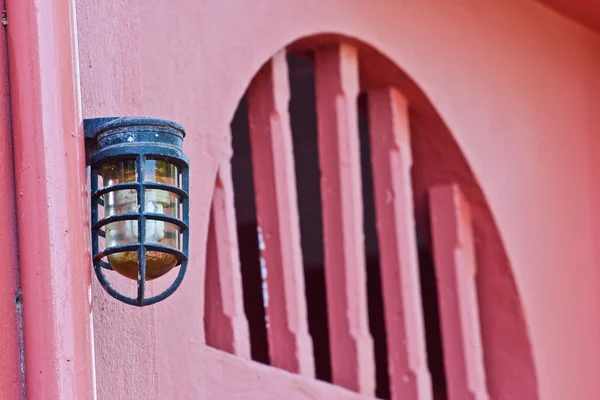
(374, 289)
(303, 120)
(245, 206)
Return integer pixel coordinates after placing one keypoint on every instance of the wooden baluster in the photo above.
(391, 160)
(290, 345)
(225, 322)
(455, 268)
(336, 74)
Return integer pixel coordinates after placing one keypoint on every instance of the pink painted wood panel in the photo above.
(336, 75)
(455, 268)
(290, 345)
(11, 381)
(225, 323)
(391, 160)
(52, 200)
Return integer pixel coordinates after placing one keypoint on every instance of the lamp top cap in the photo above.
(94, 127)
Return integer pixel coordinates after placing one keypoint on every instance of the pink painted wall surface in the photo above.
(51, 202)
(11, 382)
(516, 84)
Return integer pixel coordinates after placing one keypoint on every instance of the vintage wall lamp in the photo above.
(139, 201)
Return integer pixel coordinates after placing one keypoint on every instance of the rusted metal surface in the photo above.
(140, 140)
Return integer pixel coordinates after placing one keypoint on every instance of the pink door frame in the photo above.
(11, 380)
(53, 233)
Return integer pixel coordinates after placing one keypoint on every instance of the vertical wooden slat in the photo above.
(391, 160)
(455, 268)
(225, 322)
(336, 74)
(290, 346)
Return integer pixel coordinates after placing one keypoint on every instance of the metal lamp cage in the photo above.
(139, 139)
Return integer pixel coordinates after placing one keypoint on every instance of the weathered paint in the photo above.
(527, 134)
(290, 346)
(455, 270)
(11, 380)
(391, 160)
(49, 160)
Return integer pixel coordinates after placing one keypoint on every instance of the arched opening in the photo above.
(437, 159)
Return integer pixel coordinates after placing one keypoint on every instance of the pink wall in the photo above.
(11, 382)
(50, 194)
(515, 83)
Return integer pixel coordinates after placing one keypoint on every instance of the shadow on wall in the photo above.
(436, 160)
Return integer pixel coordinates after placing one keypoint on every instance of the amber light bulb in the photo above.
(125, 232)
